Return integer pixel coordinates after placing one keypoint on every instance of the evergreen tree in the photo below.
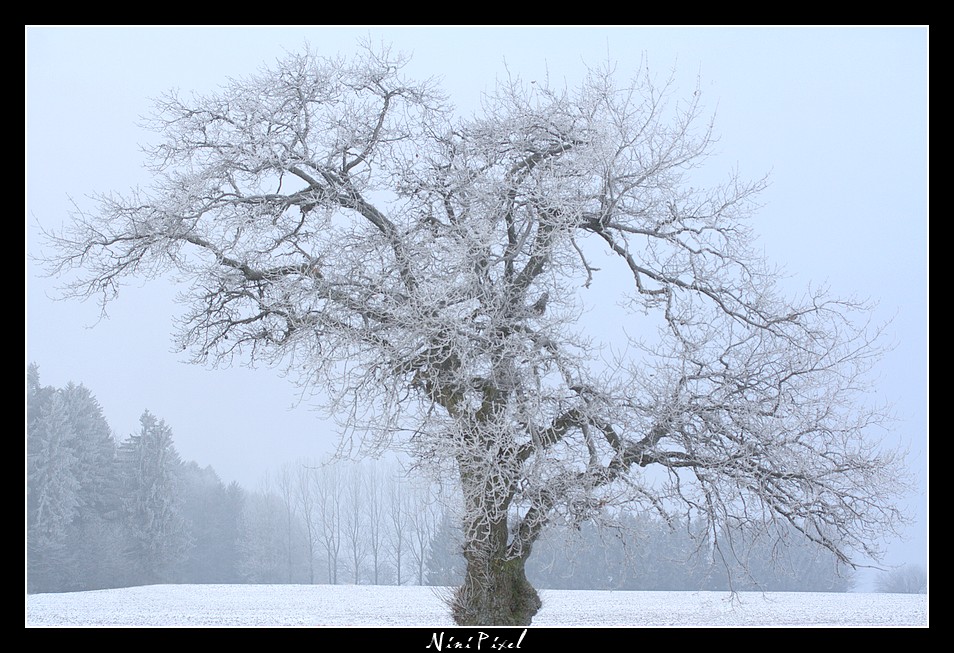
(232, 532)
(152, 503)
(445, 557)
(37, 395)
(98, 518)
(205, 510)
(52, 494)
(777, 560)
(95, 451)
(72, 490)
(95, 545)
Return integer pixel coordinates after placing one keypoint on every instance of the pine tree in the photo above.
(231, 545)
(52, 494)
(152, 504)
(73, 519)
(212, 514)
(37, 395)
(203, 498)
(95, 544)
(445, 558)
(95, 451)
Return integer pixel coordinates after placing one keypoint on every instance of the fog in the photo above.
(837, 116)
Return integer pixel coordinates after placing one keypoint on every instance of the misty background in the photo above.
(837, 116)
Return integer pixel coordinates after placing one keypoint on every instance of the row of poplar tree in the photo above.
(102, 513)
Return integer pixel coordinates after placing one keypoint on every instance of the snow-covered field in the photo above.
(362, 605)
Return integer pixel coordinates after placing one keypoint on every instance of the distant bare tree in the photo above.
(355, 521)
(424, 516)
(284, 483)
(329, 513)
(907, 579)
(375, 508)
(398, 522)
(307, 508)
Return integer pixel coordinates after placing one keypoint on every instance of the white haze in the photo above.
(837, 115)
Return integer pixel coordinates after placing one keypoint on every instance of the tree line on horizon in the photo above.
(104, 513)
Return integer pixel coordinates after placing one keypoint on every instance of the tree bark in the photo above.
(495, 592)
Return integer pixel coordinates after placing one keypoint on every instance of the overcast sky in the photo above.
(838, 116)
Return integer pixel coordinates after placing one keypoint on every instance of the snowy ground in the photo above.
(349, 605)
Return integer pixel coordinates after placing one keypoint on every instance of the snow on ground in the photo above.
(367, 605)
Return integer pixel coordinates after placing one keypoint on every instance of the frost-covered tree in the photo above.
(152, 502)
(95, 450)
(95, 543)
(52, 494)
(212, 515)
(37, 396)
(427, 273)
(907, 579)
(72, 490)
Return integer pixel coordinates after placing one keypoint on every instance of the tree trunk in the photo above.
(495, 592)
